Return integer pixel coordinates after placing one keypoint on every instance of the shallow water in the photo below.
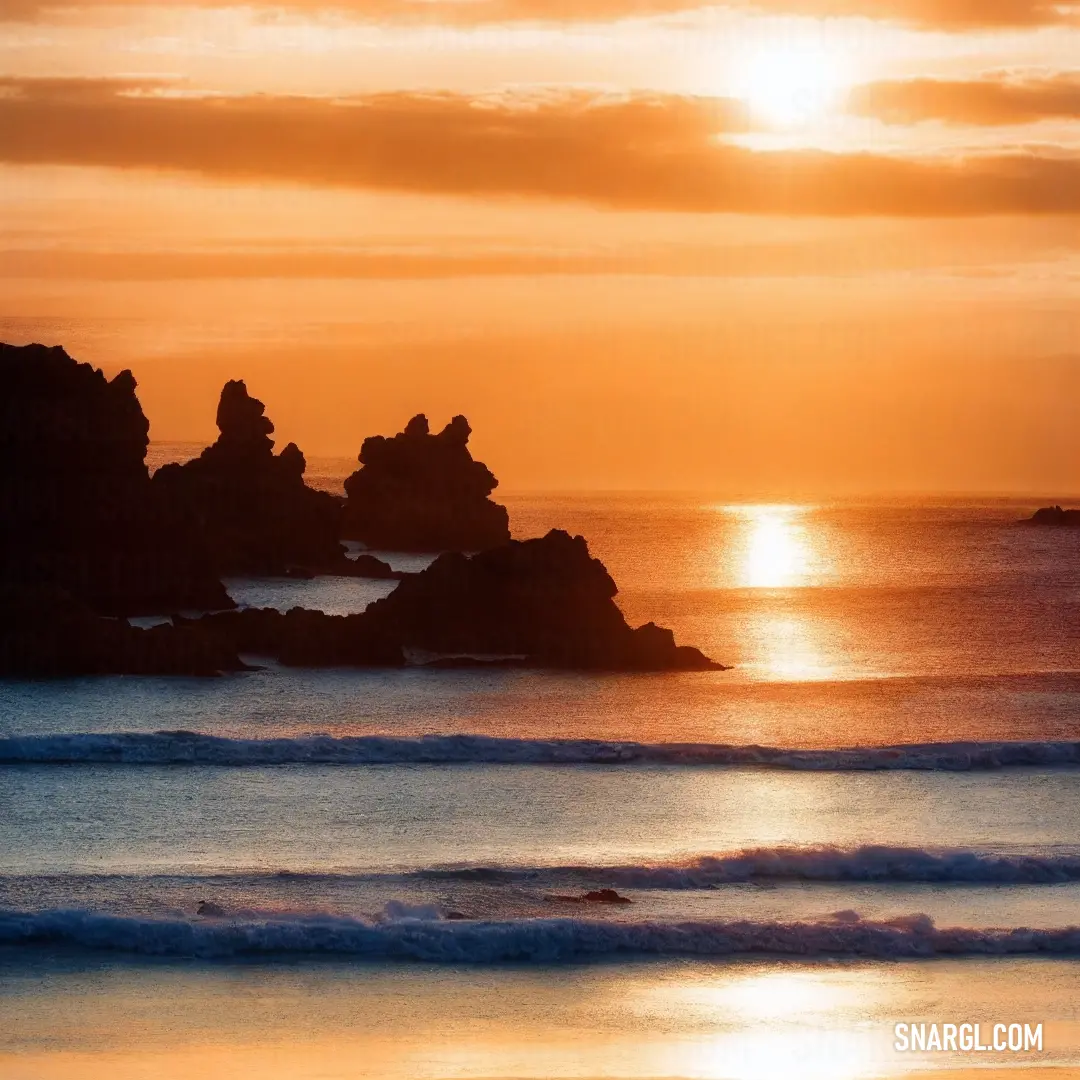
(72, 1019)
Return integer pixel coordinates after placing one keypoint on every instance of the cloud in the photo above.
(630, 152)
(992, 100)
(935, 14)
(834, 257)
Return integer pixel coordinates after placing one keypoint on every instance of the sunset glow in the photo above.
(776, 552)
(646, 246)
(538, 538)
(791, 85)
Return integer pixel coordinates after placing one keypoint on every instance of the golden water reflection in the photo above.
(751, 1020)
(780, 1023)
(774, 546)
(790, 648)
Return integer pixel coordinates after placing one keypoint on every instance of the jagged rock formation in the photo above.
(538, 603)
(301, 638)
(546, 600)
(367, 566)
(258, 514)
(423, 492)
(1055, 515)
(86, 534)
(44, 631)
(77, 507)
(545, 603)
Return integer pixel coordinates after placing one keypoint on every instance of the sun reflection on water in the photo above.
(790, 647)
(770, 550)
(777, 1024)
(774, 546)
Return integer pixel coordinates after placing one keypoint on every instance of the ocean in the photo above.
(871, 818)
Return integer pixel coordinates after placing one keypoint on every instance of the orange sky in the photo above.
(769, 247)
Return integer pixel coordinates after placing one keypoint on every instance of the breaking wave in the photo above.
(876, 864)
(825, 864)
(193, 748)
(411, 934)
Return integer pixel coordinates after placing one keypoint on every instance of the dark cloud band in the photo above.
(987, 101)
(637, 152)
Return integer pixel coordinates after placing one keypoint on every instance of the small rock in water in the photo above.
(597, 896)
(605, 896)
(210, 909)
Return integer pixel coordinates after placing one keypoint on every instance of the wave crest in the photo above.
(521, 940)
(193, 748)
(872, 863)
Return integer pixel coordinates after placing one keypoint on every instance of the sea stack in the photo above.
(78, 511)
(547, 601)
(1055, 516)
(544, 603)
(422, 492)
(258, 514)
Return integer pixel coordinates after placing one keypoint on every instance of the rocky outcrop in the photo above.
(423, 492)
(546, 600)
(301, 638)
(87, 537)
(367, 566)
(1055, 515)
(77, 507)
(536, 603)
(259, 516)
(44, 631)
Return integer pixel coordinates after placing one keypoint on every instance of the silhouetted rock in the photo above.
(1055, 515)
(546, 600)
(301, 638)
(44, 631)
(358, 566)
(423, 492)
(605, 896)
(536, 603)
(77, 507)
(367, 566)
(597, 896)
(87, 533)
(258, 514)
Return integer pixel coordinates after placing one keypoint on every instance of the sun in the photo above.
(791, 85)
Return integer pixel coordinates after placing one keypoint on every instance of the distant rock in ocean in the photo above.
(1055, 515)
(422, 492)
(259, 516)
(78, 510)
(546, 603)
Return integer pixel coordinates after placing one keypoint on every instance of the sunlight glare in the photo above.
(775, 552)
(777, 1024)
(791, 85)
